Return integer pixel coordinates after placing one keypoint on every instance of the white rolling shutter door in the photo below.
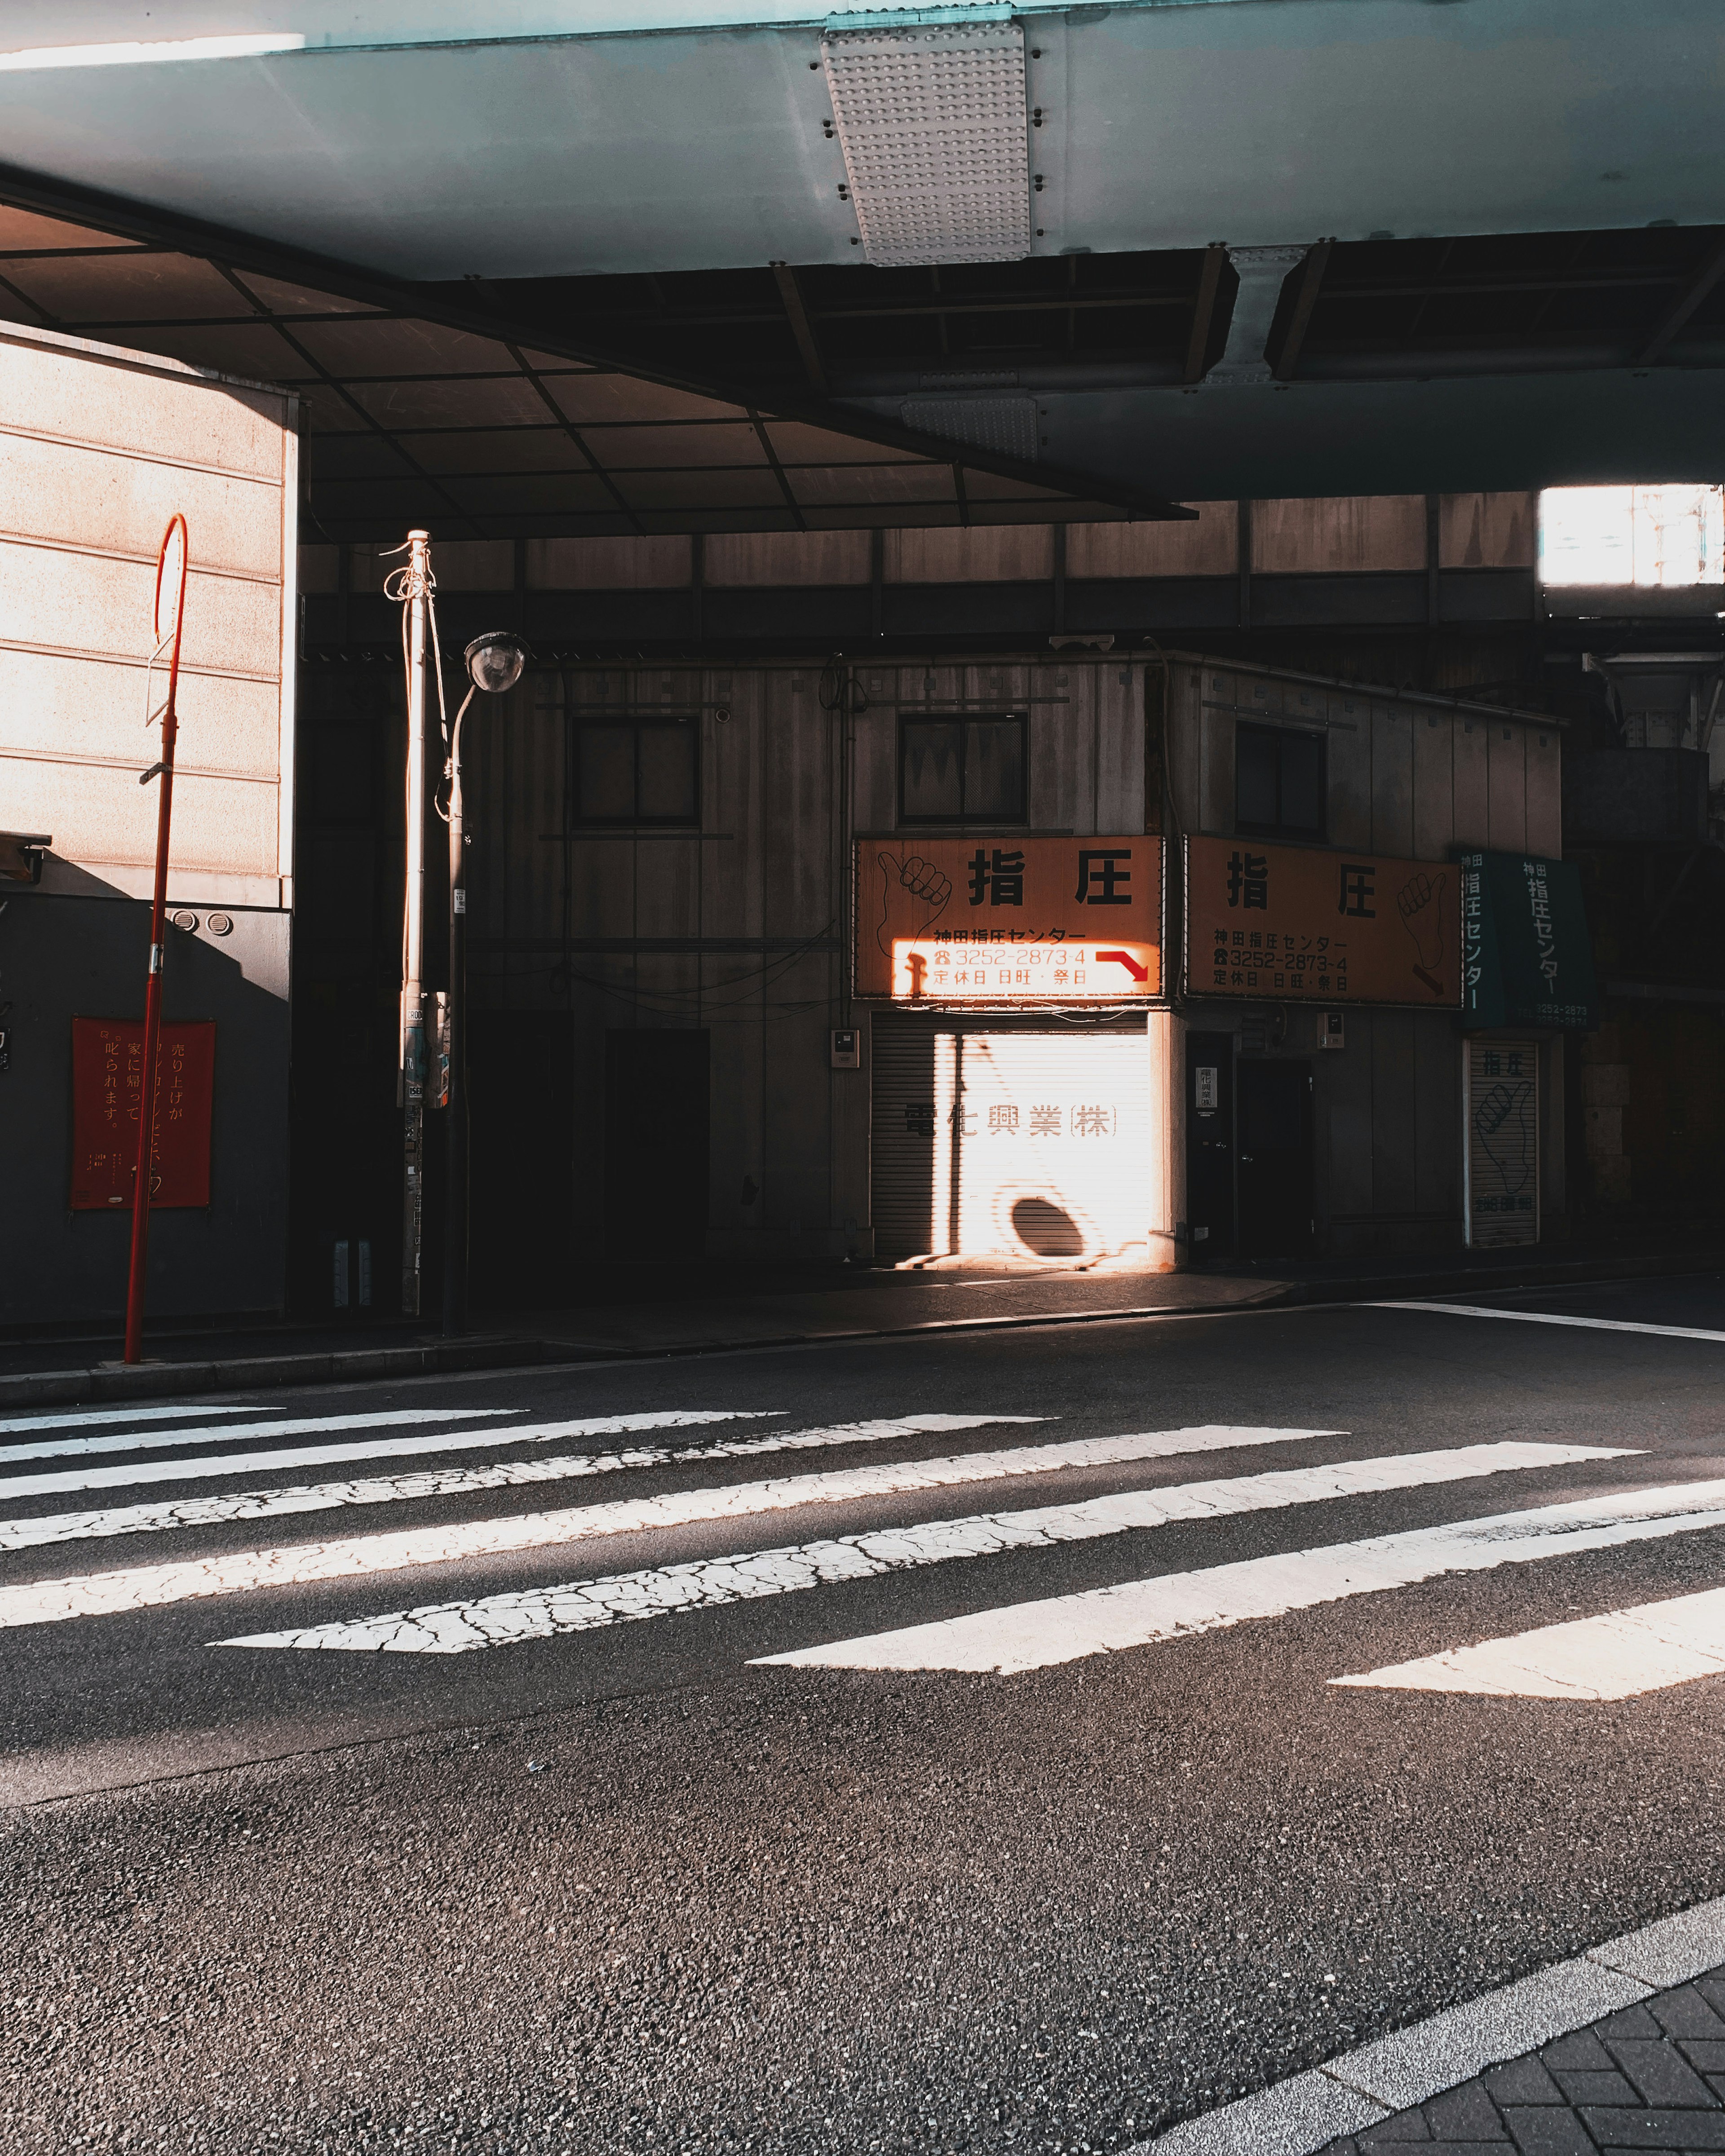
(1010, 1143)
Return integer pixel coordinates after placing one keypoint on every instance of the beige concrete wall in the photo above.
(98, 448)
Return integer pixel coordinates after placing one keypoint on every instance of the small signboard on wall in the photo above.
(1526, 956)
(1296, 922)
(1002, 920)
(107, 1088)
(1502, 1100)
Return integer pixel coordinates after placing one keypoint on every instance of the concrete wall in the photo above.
(98, 447)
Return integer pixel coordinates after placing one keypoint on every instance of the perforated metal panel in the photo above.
(1007, 425)
(1012, 1143)
(933, 125)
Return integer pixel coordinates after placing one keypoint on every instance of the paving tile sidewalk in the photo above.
(1650, 2077)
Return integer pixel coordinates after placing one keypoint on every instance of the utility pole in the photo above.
(493, 665)
(415, 583)
(455, 1043)
(170, 622)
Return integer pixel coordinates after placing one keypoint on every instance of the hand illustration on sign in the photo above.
(1500, 1122)
(1420, 902)
(922, 879)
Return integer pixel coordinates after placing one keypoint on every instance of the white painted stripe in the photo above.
(122, 1414)
(1552, 1317)
(27, 1532)
(436, 1441)
(153, 1440)
(99, 1593)
(499, 1619)
(1618, 1655)
(1035, 1635)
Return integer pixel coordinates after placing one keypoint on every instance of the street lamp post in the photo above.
(494, 664)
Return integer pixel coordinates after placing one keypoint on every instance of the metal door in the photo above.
(1274, 1128)
(1010, 1143)
(656, 1131)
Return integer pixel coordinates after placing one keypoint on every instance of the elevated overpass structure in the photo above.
(1123, 257)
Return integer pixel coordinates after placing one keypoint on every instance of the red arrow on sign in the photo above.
(1125, 958)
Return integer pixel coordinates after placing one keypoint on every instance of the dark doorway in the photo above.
(1275, 1141)
(656, 1117)
(520, 1090)
(1209, 1146)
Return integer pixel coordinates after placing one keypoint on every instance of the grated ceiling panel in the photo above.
(935, 132)
(1006, 425)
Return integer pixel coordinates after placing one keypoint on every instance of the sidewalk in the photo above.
(1620, 2049)
(649, 1311)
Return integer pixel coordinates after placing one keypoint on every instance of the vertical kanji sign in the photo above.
(107, 1091)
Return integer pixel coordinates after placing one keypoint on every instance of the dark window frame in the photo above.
(637, 723)
(990, 819)
(1309, 834)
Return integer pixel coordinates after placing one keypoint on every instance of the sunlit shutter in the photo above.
(1048, 1157)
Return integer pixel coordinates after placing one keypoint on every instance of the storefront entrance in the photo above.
(1009, 1141)
(657, 1114)
(1274, 1139)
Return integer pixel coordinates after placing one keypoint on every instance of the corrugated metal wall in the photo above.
(742, 928)
(1408, 777)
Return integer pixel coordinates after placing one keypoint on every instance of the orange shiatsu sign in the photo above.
(999, 919)
(1284, 923)
(107, 1085)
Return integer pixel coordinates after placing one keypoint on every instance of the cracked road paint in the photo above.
(35, 1533)
(436, 1441)
(1034, 1636)
(503, 1619)
(96, 1595)
(148, 1441)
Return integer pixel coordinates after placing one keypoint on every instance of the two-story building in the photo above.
(1108, 955)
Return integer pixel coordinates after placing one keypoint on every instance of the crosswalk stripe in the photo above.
(120, 1415)
(492, 1620)
(152, 1440)
(1618, 1655)
(1555, 1318)
(27, 1532)
(145, 1586)
(1034, 1635)
(438, 1441)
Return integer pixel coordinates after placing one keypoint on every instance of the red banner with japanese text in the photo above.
(107, 1086)
(1008, 920)
(1282, 922)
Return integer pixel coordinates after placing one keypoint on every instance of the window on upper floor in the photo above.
(638, 771)
(962, 770)
(1278, 782)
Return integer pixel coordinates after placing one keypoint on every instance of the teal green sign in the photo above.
(1527, 959)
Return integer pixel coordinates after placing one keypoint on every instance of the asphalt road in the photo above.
(578, 1872)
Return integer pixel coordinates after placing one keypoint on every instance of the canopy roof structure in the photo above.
(1121, 254)
(422, 406)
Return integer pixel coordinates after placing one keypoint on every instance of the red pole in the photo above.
(170, 609)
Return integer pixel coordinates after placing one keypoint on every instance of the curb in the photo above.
(1364, 2087)
(147, 1380)
(348, 1366)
